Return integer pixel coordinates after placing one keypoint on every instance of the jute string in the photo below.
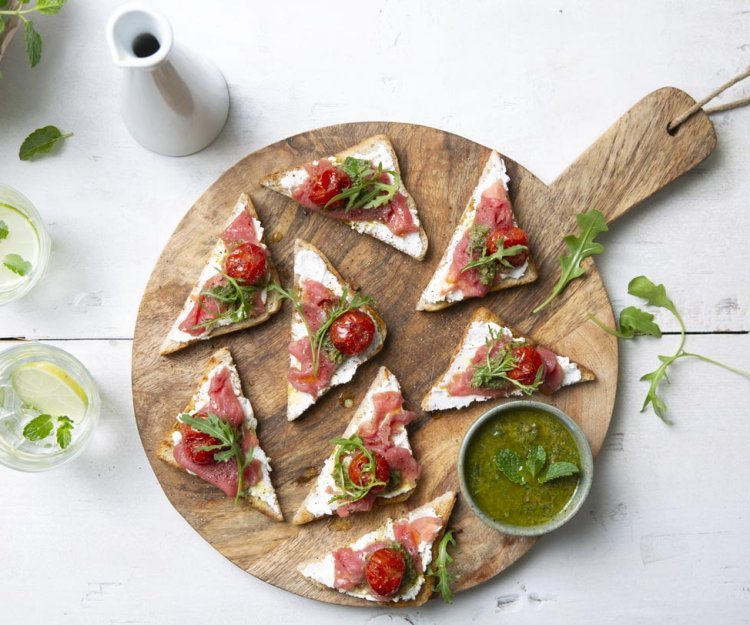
(728, 106)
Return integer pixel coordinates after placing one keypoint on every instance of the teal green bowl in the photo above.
(574, 503)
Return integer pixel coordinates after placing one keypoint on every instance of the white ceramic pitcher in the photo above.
(173, 101)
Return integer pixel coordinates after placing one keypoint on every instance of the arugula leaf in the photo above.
(590, 224)
(492, 373)
(535, 460)
(440, 571)
(633, 322)
(39, 428)
(511, 465)
(41, 141)
(230, 439)
(3, 230)
(17, 264)
(64, 427)
(367, 190)
(350, 491)
(653, 294)
(33, 42)
(557, 470)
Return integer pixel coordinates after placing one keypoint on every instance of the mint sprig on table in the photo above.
(230, 443)
(636, 322)
(41, 142)
(517, 470)
(42, 426)
(580, 247)
(440, 569)
(367, 190)
(32, 38)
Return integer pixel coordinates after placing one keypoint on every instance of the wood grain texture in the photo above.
(624, 167)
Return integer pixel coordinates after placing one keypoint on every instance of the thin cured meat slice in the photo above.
(223, 475)
(361, 505)
(204, 309)
(222, 400)
(349, 564)
(303, 378)
(241, 230)
(411, 534)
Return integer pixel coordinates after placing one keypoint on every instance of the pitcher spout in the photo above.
(138, 37)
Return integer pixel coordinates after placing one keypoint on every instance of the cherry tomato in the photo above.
(246, 263)
(352, 332)
(384, 571)
(528, 362)
(511, 236)
(327, 185)
(359, 474)
(193, 440)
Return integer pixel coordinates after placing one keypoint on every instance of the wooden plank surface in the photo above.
(630, 162)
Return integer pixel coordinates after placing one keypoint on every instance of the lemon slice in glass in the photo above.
(47, 388)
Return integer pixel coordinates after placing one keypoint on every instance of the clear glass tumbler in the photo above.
(24, 245)
(37, 380)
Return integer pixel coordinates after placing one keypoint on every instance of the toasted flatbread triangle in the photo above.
(377, 149)
(177, 339)
(322, 572)
(262, 495)
(310, 263)
(439, 293)
(473, 338)
(316, 504)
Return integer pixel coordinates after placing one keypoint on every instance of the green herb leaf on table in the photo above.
(350, 491)
(3, 230)
(367, 190)
(230, 439)
(38, 428)
(511, 465)
(535, 460)
(33, 42)
(590, 224)
(63, 435)
(440, 570)
(49, 7)
(41, 141)
(17, 264)
(634, 322)
(557, 470)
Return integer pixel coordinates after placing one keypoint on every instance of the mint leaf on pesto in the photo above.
(511, 465)
(557, 470)
(535, 460)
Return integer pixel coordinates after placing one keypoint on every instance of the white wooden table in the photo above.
(664, 535)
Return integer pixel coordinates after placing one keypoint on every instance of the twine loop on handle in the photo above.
(728, 106)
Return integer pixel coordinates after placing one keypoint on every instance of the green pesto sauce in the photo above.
(515, 504)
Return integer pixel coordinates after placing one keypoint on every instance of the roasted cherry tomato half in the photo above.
(352, 332)
(384, 571)
(528, 362)
(511, 236)
(328, 184)
(246, 263)
(359, 474)
(193, 440)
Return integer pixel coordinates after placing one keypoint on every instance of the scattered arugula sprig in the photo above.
(317, 339)
(367, 190)
(42, 426)
(440, 571)
(41, 142)
(32, 38)
(636, 322)
(512, 466)
(230, 443)
(350, 491)
(17, 264)
(492, 373)
(238, 299)
(590, 224)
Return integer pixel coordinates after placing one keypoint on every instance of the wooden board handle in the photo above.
(637, 156)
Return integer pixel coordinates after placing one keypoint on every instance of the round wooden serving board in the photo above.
(631, 161)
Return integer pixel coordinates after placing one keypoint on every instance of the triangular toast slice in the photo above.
(315, 275)
(405, 233)
(219, 391)
(512, 373)
(442, 290)
(380, 423)
(204, 316)
(416, 535)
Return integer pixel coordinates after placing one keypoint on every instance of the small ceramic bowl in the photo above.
(584, 482)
